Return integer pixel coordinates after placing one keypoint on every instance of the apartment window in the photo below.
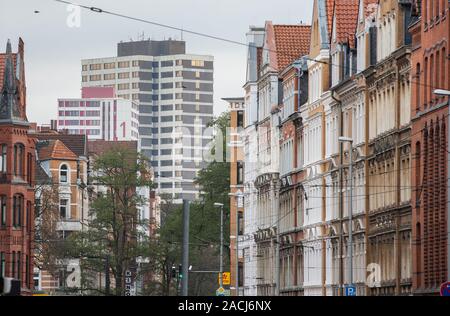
(135, 74)
(27, 270)
(13, 264)
(240, 274)
(85, 67)
(63, 208)
(17, 210)
(240, 172)
(95, 78)
(3, 210)
(198, 63)
(197, 85)
(84, 79)
(95, 67)
(197, 96)
(124, 75)
(123, 86)
(19, 265)
(30, 169)
(3, 158)
(19, 157)
(109, 65)
(197, 74)
(240, 119)
(2, 264)
(240, 223)
(63, 174)
(135, 63)
(109, 76)
(123, 64)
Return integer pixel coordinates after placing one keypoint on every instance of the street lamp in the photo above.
(350, 215)
(221, 242)
(446, 93)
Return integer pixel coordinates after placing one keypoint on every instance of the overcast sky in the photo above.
(53, 50)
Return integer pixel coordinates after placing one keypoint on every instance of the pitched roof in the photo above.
(330, 6)
(98, 147)
(76, 143)
(370, 6)
(41, 176)
(2, 66)
(55, 149)
(346, 15)
(292, 42)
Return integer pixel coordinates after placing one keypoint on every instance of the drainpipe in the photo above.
(341, 200)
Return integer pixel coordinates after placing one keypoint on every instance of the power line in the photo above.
(218, 38)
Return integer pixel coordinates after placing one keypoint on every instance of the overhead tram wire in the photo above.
(214, 37)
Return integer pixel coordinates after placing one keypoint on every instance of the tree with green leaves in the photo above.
(204, 248)
(114, 238)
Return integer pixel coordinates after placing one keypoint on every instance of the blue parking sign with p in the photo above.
(350, 290)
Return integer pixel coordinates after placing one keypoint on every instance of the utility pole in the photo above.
(350, 209)
(220, 205)
(185, 266)
(277, 248)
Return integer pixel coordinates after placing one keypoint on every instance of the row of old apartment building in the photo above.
(41, 170)
(365, 70)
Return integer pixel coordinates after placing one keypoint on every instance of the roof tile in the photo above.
(292, 42)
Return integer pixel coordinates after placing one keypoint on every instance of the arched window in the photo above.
(3, 211)
(3, 157)
(418, 87)
(19, 156)
(63, 174)
(17, 211)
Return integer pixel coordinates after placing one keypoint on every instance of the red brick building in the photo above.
(430, 70)
(17, 165)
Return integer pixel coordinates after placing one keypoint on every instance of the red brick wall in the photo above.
(430, 70)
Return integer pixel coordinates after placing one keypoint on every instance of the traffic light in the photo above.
(180, 271)
(174, 272)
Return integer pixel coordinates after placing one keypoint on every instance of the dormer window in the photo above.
(63, 174)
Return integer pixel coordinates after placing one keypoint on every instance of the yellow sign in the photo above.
(226, 278)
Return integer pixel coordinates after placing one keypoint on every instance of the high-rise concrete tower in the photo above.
(175, 95)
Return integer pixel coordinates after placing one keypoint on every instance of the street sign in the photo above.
(226, 278)
(220, 291)
(223, 292)
(445, 289)
(350, 290)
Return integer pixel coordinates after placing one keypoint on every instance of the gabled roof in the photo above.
(76, 143)
(291, 42)
(55, 149)
(329, 9)
(323, 12)
(346, 18)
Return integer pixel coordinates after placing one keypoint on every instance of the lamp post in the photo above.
(446, 93)
(350, 208)
(220, 205)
